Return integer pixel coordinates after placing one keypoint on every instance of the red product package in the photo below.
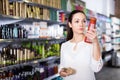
(91, 25)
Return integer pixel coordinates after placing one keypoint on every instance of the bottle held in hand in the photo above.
(91, 25)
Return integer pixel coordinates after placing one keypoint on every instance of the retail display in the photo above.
(39, 71)
(32, 32)
(104, 30)
(116, 41)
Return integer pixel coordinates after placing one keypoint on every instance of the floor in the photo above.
(108, 73)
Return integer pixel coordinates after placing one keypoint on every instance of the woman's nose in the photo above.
(81, 24)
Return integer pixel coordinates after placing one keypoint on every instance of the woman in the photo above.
(79, 60)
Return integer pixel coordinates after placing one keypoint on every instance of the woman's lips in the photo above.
(81, 28)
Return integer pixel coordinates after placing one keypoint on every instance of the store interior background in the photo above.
(37, 51)
(110, 8)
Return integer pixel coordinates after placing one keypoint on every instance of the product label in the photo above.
(91, 26)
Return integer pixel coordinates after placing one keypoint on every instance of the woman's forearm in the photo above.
(96, 50)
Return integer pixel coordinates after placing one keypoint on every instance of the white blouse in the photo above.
(80, 59)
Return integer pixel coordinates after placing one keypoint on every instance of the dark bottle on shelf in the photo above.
(4, 35)
(29, 76)
(4, 56)
(0, 59)
(21, 55)
(51, 69)
(9, 53)
(14, 71)
(15, 31)
(8, 32)
(0, 32)
(18, 55)
(25, 33)
(3, 32)
(0, 75)
(32, 54)
(15, 55)
(3, 75)
(11, 56)
(46, 69)
(10, 74)
(55, 69)
(28, 54)
(25, 52)
(36, 75)
(28, 72)
(20, 32)
(11, 26)
(36, 48)
(42, 73)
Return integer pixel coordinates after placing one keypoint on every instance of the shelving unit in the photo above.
(116, 41)
(33, 39)
(15, 12)
(32, 62)
(20, 19)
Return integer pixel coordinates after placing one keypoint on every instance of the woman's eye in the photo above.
(84, 21)
(77, 21)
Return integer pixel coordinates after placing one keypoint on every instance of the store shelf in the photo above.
(115, 43)
(36, 4)
(5, 19)
(32, 62)
(40, 5)
(116, 47)
(32, 39)
(8, 17)
(30, 20)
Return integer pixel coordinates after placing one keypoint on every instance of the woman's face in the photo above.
(78, 23)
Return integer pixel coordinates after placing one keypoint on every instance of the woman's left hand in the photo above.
(92, 35)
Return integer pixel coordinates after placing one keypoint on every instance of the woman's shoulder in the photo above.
(65, 43)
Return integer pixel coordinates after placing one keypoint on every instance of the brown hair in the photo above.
(69, 30)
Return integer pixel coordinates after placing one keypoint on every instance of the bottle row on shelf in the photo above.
(25, 10)
(12, 31)
(15, 54)
(35, 30)
(38, 71)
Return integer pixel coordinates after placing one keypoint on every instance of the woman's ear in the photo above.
(69, 24)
